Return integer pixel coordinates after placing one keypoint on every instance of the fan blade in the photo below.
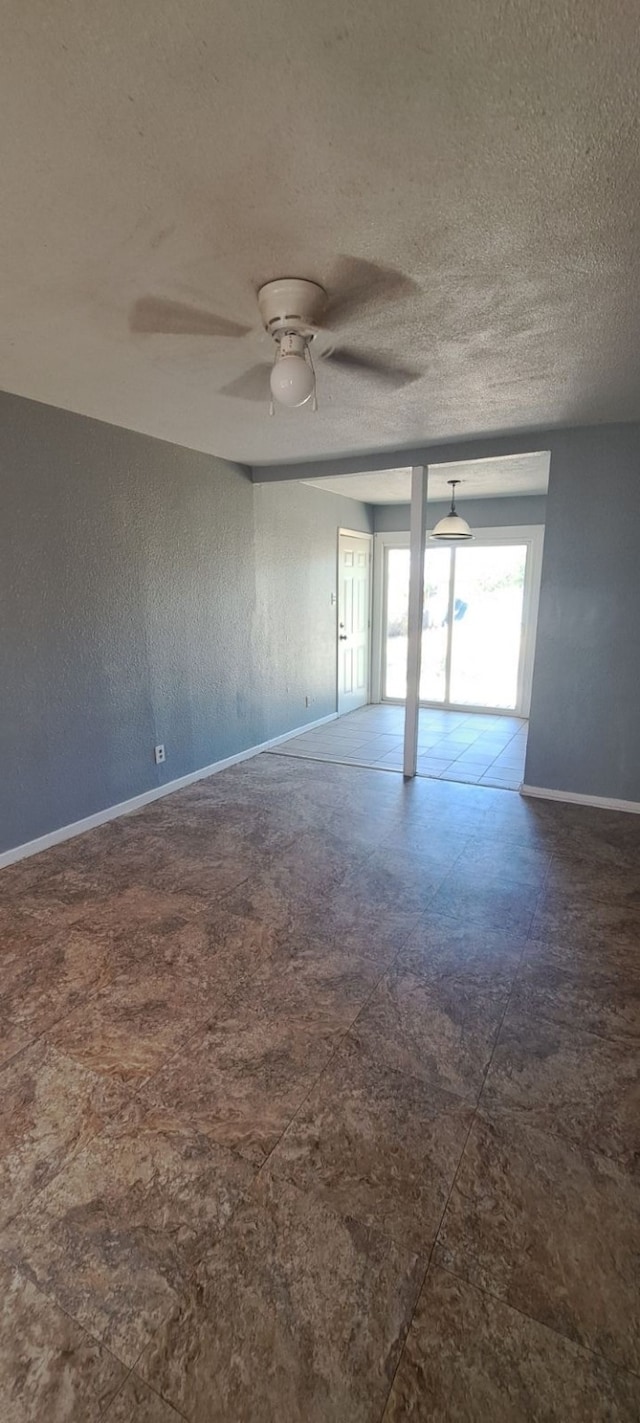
(357, 285)
(380, 367)
(154, 316)
(251, 385)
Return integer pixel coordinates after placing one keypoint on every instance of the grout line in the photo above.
(385, 971)
(24, 1273)
(446, 1204)
(145, 1382)
(428, 1266)
(542, 1323)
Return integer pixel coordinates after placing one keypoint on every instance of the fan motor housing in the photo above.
(292, 305)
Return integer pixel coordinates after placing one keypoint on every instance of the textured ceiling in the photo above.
(192, 150)
(479, 479)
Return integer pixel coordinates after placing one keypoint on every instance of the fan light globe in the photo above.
(291, 380)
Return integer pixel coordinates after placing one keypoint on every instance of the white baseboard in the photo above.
(574, 798)
(125, 807)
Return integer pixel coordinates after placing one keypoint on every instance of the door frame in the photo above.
(530, 534)
(354, 534)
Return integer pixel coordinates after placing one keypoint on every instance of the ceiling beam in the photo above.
(490, 447)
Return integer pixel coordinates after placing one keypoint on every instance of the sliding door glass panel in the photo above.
(437, 573)
(435, 625)
(486, 627)
(397, 617)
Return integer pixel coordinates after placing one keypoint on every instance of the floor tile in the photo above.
(497, 904)
(436, 846)
(282, 898)
(551, 1229)
(13, 1039)
(19, 932)
(314, 986)
(43, 983)
(587, 924)
(137, 1403)
(293, 910)
(358, 927)
(442, 1032)
(376, 1145)
(497, 858)
(295, 1314)
(567, 1082)
(470, 1359)
(136, 1023)
(121, 1227)
(49, 1108)
(430, 766)
(442, 948)
(315, 863)
(394, 881)
(50, 1370)
(443, 737)
(133, 921)
(56, 898)
(238, 947)
(469, 762)
(392, 759)
(196, 868)
(588, 876)
(606, 1003)
(241, 1082)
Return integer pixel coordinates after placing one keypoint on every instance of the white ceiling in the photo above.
(192, 150)
(479, 479)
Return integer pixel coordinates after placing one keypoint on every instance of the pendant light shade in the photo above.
(453, 527)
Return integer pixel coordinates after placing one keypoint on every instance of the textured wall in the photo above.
(148, 593)
(585, 722)
(480, 513)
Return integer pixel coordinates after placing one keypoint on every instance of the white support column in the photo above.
(419, 478)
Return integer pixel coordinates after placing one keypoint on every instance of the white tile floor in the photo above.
(475, 747)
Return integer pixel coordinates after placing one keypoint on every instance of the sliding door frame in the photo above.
(530, 534)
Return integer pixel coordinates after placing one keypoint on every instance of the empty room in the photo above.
(319, 728)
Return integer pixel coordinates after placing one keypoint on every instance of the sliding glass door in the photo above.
(486, 627)
(478, 629)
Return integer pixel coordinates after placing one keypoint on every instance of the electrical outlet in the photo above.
(307, 701)
(159, 754)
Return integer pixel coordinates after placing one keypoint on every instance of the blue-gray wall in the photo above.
(148, 593)
(584, 730)
(480, 513)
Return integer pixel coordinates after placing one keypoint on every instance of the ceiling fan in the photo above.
(300, 316)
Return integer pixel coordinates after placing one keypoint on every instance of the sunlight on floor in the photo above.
(477, 748)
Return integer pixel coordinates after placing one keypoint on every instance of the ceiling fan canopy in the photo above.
(301, 317)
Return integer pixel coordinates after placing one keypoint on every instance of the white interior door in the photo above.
(354, 598)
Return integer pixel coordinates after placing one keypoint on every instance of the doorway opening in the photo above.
(478, 624)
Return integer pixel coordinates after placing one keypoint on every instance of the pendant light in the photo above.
(453, 526)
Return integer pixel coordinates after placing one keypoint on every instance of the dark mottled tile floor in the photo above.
(320, 1105)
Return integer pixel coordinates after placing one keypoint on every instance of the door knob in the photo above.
(342, 637)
